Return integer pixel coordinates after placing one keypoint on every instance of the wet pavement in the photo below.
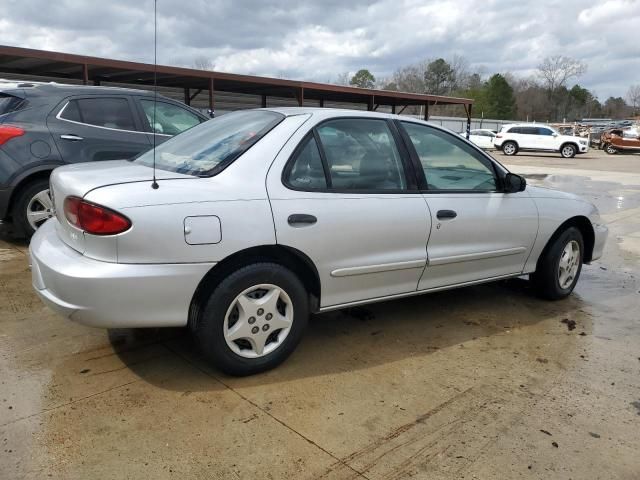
(482, 382)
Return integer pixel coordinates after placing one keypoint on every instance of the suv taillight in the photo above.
(498, 136)
(7, 132)
(94, 219)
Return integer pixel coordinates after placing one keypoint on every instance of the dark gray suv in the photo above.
(45, 125)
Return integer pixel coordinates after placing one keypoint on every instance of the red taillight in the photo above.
(93, 218)
(7, 132)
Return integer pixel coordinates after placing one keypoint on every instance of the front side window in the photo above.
(448, 162)
(100, 112)
(169, 119)
(208, 148)
(361, 154)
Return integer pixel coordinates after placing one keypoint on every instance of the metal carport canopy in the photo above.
(93, 70)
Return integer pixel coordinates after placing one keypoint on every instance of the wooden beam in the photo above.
(85, 74)
(194, 95)
(187, 97)
(264, 101)
(402, 110)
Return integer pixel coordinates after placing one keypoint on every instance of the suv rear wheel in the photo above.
(253, 319)
(610, 149)
(568, 151)
(33, 206)
(509, 148)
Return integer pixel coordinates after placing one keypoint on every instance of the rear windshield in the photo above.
(9, 103)
(208, 148)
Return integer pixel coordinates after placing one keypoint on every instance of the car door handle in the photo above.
(446, 214)
(301, 219)
(71, 137)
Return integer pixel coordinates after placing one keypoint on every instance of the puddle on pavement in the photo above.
(608, 196)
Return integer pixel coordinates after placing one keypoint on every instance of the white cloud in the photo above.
(318, 40)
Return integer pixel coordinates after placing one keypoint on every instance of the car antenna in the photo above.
(154, 184)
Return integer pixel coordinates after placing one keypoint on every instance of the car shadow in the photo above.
(360, 338)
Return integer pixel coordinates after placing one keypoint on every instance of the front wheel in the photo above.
(568, 151)
(253, 319)
(610, 149)
(560, 265)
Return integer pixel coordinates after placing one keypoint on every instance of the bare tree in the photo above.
(342, 79)
(555, 71)
(633, 96)
(203, 63)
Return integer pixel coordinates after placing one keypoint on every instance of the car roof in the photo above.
(65, 89)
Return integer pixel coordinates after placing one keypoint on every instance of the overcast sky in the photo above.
(319, 40)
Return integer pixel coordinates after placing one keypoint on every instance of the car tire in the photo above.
(610, 149)
(509, 148)
(232, 326)
(559, 266)
(32, 207)
(568, 150)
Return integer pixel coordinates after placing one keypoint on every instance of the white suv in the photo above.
(540, 138)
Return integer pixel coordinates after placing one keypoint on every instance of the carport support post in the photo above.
(468, 109)
(264, 101)
(370, 103)
(211, 98)
(426, 111)
(322, 103)
(187, 96)
(85, 74)
(300, 96)
(393, 108)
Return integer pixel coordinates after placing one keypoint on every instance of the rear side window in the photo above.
(530, 130)
(208, 148)
(515, 130)
(9, 103)
(169, 119)
(361, 154)
(100, 112)
(306, 171)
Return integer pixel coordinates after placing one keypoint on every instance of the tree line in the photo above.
(549, 95)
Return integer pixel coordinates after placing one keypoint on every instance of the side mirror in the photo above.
(514, 183)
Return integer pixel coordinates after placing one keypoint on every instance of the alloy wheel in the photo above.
(39, 209)
(568, 151)
(258, 321)
(509, 149)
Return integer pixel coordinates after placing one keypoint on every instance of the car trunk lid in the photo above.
(79, 179)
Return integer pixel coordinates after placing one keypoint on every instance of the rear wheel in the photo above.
(568, 151)
(253, 319)
(610, 149)
(509, 148)
(560, 266)
(33, 206)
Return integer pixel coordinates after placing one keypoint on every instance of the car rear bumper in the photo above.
(110, 295)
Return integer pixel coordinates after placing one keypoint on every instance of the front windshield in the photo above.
(208, 148)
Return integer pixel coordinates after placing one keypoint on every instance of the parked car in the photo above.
(620, 140)
(45, 125)
(482, 137)
(263, 216)
(538, 138)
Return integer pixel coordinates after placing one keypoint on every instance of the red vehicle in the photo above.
(620, 140)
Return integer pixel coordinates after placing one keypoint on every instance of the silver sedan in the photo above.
(258, 218)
